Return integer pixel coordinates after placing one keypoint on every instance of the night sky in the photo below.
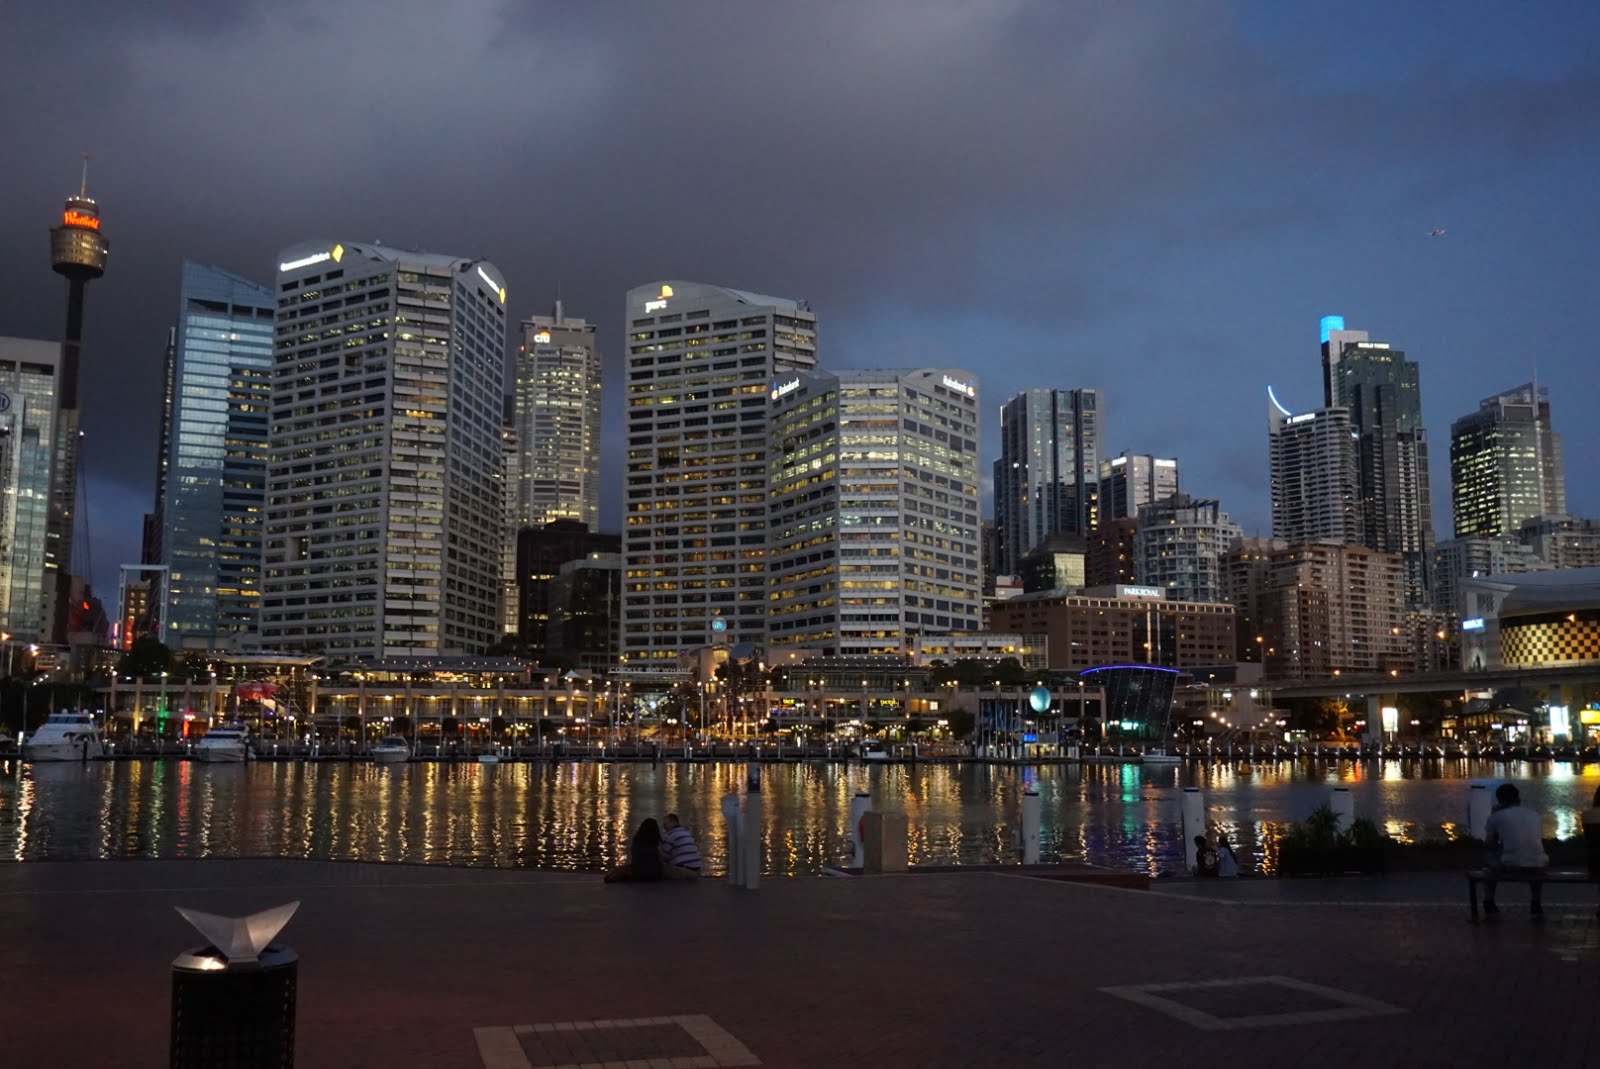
(1159, 200)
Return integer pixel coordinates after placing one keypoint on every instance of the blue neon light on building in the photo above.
(1331, 323)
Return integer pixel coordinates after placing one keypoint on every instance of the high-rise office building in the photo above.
(556, 415)
(1562, 541)
(510, 469)
(1335, 338)
(29, 378)
(1046, 478)
(582, 627)
(1381, 389)
(1132, 480)
(873, 532)
(1060, 562)
(1319, 608)
(215, 472)
(384, 512)
(150, 541)
(1246, 575)
(1505, 464)
(1456, 560)
(1314, 481)
(1179, 545)
(1111, 560)
(701, 362)
(541, 554)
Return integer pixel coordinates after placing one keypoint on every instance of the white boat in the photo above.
(391, 750)
(1161, 757)
(223, 744)
(875, 755)
(68, 736)
(488, 759)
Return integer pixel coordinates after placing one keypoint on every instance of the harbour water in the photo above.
(578, 816)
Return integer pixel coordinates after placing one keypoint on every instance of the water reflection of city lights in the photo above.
(581, 816)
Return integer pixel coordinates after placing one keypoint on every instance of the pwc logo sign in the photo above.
(661, 300)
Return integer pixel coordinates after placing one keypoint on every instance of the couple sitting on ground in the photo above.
(655, 855)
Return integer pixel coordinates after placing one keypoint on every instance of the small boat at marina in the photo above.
(875, 755)
(67, 736)
(223, 744)
(1160, 757)
(391, 750)
(488, 759)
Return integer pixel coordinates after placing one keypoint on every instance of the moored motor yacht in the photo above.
(65, 736)
(223, 744)
(391, 749)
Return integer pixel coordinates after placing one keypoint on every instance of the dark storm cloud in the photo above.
(1049, 193)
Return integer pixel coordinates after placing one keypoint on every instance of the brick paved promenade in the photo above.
(413, 966)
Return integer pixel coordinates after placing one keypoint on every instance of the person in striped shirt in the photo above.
(679, 858)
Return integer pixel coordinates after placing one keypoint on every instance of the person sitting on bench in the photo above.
(1516, 848)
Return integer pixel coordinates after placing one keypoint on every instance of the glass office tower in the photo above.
(1048, 473)
(1505, 464)
(29, 379)
(216, 460)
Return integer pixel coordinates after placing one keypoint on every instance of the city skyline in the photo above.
(1078, 259)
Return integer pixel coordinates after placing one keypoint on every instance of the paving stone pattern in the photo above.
(418, 966)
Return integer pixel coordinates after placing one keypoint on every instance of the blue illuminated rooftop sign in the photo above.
(1330, 323)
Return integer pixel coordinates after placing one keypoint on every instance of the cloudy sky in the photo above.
(1159, 200)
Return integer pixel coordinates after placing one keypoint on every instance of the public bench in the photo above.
(1528, 876)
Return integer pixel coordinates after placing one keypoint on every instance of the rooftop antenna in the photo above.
(558, 302)
(83, 183)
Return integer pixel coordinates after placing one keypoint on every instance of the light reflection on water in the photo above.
(579, 816)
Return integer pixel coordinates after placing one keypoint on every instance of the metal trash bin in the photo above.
(231, 1014)
(233, 999)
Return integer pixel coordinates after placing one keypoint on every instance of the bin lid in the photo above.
(239, 940)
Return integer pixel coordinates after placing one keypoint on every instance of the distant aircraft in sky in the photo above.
(1436, 232)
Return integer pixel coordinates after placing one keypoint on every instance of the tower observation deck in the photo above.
(78, 251)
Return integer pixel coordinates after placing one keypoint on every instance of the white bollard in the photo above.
(858, 808)
(1480, 803)
(1194, 823)
(1030, 827)
(750, 831)
(730, 820)
(1343, 804)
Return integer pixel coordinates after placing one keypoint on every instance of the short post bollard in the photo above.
(233, 1000)
(858, 810)
(730, 820)
(887, 835)
(1343, 805)
(750, 829)
(1480, 803)
(1030, 827)
(1591, 838)
(1194, 823)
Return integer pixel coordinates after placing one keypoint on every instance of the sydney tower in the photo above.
(77, 250)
